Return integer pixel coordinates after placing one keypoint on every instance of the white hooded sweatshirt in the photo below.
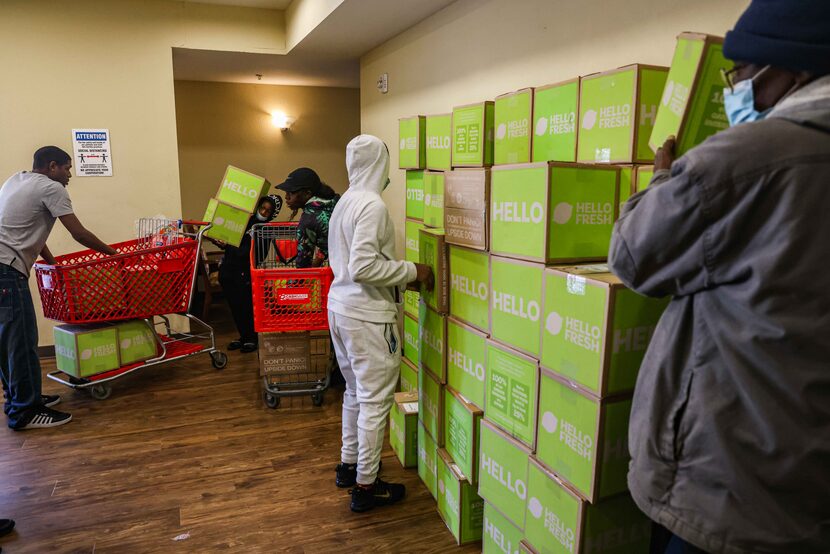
(367, 274)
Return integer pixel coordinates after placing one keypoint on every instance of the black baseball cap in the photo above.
(303, 178)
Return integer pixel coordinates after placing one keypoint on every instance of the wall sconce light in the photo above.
(281, 121)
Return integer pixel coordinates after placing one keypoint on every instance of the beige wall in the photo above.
(225, 123)
(477, 49)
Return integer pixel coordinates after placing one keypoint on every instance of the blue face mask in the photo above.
(739, 102)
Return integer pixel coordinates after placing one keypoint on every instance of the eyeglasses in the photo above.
(728, 76)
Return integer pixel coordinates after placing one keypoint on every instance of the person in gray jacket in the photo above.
(730, 425)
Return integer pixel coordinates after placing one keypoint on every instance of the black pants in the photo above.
(236, 286)
(664, 541)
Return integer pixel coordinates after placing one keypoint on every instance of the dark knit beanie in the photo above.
(790, 34)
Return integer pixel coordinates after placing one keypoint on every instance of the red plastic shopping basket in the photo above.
(286, 298)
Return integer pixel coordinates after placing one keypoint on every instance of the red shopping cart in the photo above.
(292, 301)
(150, 278)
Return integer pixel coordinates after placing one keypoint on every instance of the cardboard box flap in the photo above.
(406, 397)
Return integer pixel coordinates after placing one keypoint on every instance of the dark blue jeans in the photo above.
(664, 541)
(19, 362)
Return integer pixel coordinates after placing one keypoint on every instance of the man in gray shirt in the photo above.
(30, 202)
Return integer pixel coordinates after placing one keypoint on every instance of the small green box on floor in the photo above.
(432, 329)
(428, 460)
(595, 330)
(554, 113)
(431, 401)
(136, 341)
(466, 361)
(516, 303)
(415, 194)
(84, 350)
(412, 153)
(439, 142)
(472, 135)
(461, 419)
(512, 393)
(412, 230)
(617, 109)
(434, 199)
(409, 376)
(242, 190)
(411, 341)
(502, 479)
(643, 176)
(500, 536)
(403, 428)
(583, 438)
(228, 223)
(411, 300)
(470, 286)
(459, 505)
(691, 107)
(558, 521)
(432, 251)
(512, 122)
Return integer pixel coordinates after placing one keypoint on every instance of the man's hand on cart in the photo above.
(220, 243)
(424, 277)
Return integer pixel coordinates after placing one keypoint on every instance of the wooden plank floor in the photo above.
(182, 451)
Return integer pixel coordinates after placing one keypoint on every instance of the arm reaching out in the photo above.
(84, 236)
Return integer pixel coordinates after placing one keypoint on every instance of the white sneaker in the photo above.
(46, 417)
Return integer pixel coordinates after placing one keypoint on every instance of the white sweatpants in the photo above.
(369, 355)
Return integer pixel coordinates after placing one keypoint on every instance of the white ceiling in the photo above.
(267, 4)
(328, 56)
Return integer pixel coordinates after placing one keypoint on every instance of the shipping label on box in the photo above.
(409, 376)
(229, 223)
(467, 189)
(466, 361)
(643, 176)
(459, 505)
(427, 460)
(470, 286)
(500, 536)
(411, 299)
(583, 438)
(596, 331)
(84, 350)
(403, 428)
(691, 106)
(136, 341)
(433, 252)
(512, 122)
(512, 392)
(461, 419)
(242, 190)
(617, 110)
(467, 228)
(516, 303)
(472, 135)
(439, 142)
(434, 199)
(502, 479)
(412, 152)
(431, 400)
(415, 195)
(432, 330)
(559, 522)
(554, 114)
(413, 239)
(411, 340)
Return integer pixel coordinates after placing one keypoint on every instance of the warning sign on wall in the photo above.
(93, 157)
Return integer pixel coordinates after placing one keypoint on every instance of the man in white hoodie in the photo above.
(363, 313)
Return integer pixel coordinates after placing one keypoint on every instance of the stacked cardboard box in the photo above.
(284, 355)
(86, 350)
(233, 205)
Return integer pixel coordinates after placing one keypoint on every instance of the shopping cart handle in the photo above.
(194, 222)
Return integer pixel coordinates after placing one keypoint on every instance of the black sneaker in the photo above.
(45, 417)
(248, 347)
(380, 494)
(235, 345)
(6, 526)
(50, 400)
(346, 474)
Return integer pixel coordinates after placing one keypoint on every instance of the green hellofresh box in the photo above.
(228, 223)
(512, 123)
(583, 438)
(554, 115)
(434, 199)
(409, 376)
(242, 190)
(459, 505)
(470, 286)
(431, 406)
(432, 251)
(412, 230)
(411, 299)
(628, 176)
(427, 460)
(472, 135)
(136, 342)
(432, 331)
(412, 153)
(643, 176)
(466, 361)
(403, 428)
(617, 109)
(516, 303)
(512, 393)
(84, 350)
(415, 195)
(691, 107)
(558, 521)
(461, 419)
(411, 340)
(502, 473)
(500, 536)
(439, 142)
(596, 331)
(553, 212)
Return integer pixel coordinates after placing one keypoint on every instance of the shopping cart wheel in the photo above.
(100, 392)
(272, 400)
(219, 359)
(317, 399)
